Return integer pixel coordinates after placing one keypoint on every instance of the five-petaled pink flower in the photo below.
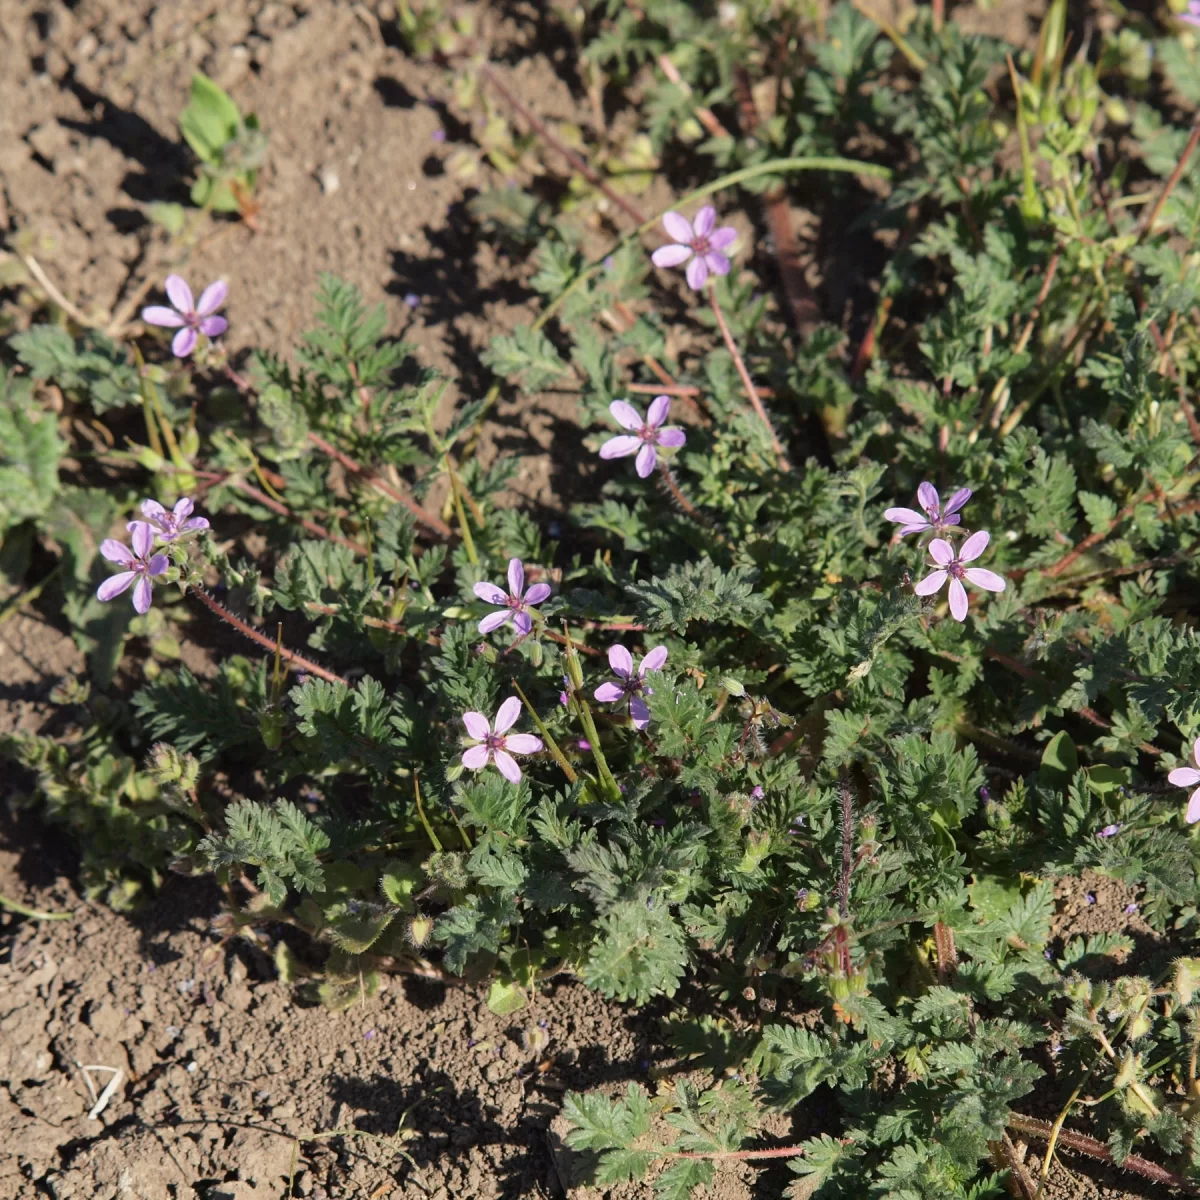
(1192, 16)
(1189, 777)
(698, 241)
(190, 318)
(171, 525)
(498, 745)
(950, 566)
(935, 517)
(631, 683)
(139, 564)
(647, 434)
(516, 601)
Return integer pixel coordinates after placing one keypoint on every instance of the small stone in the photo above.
(329, 181)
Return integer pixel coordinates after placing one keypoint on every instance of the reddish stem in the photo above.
(747, 383)
(431, 522)
(1169, 186)
(294, 660)
(539, 127)
(1042, 1130)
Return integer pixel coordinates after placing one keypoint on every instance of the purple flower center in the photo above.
(700, 245)
(514, 602)
(494, 741)
(957, 570)
(648, 433)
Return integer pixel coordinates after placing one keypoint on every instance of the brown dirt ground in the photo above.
(228, 1085)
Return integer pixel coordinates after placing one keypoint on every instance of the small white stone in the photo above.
(329, 181)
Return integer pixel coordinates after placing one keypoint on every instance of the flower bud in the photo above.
(1187, 978)
(418, 930)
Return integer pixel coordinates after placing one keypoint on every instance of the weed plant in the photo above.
(862, 635)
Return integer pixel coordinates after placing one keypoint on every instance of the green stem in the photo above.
(433, 837)
(555, 753)
(464, 528)
(575, 674)
(36, 914)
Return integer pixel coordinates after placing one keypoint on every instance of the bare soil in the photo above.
(229, 1087)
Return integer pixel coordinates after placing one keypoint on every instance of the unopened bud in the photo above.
(1187, 978)
(419, 929)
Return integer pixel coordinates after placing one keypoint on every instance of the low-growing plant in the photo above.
(852, 652)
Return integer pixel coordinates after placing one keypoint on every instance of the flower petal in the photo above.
(671, 437)
(957, 501)
(194, 525)
(182, 510)
(184, 342)
(523, 743)
(941, 552)
(697, 273)
(476, 758)
(1193, 809)
(988, 580)
(143, 595)
(1196, 745)
(717, 263)
(507, 714)
(639, 711)
(212, 298)
(477, 725)
(609, 693)
(931, 583)
(142, 539)
(158, 314)
(625, 414)
(118, 552)
(928, 498)
(112, 587)
(179, 293)
(537, 593)
(159, 564)
(507, 765)
(645, 460)
(909, 516)
(671, 256)
(516, 578)
(490, 593)
(958, 600)
(704, 220)
(155, 511)
(494, 620)
(905, 530)
(621, 446)
(656, 414)
(723, 238)
(974, 546)
(523, 622)
(620, 660)
(213, 327)
(1184, 777)
(654, 660)
(678, 227)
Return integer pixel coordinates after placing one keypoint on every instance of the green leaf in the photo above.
(210, 120)
(504, 997)
(1060, 761)
(526, 354)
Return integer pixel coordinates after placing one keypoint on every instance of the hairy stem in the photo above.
(551, 745)
(1081, 1144)
(747, 383)
(672, 488)
(33, 913)
(294, 660)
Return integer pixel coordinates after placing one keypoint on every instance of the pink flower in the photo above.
(950, 566)
(1192, 16)
(494, 746)
(139, 564)
(646, 435)
(696, 241)
(631, 683)
(516, 601)
(935, 517)
(190, 318)
(171, 525)
(1189, 777)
